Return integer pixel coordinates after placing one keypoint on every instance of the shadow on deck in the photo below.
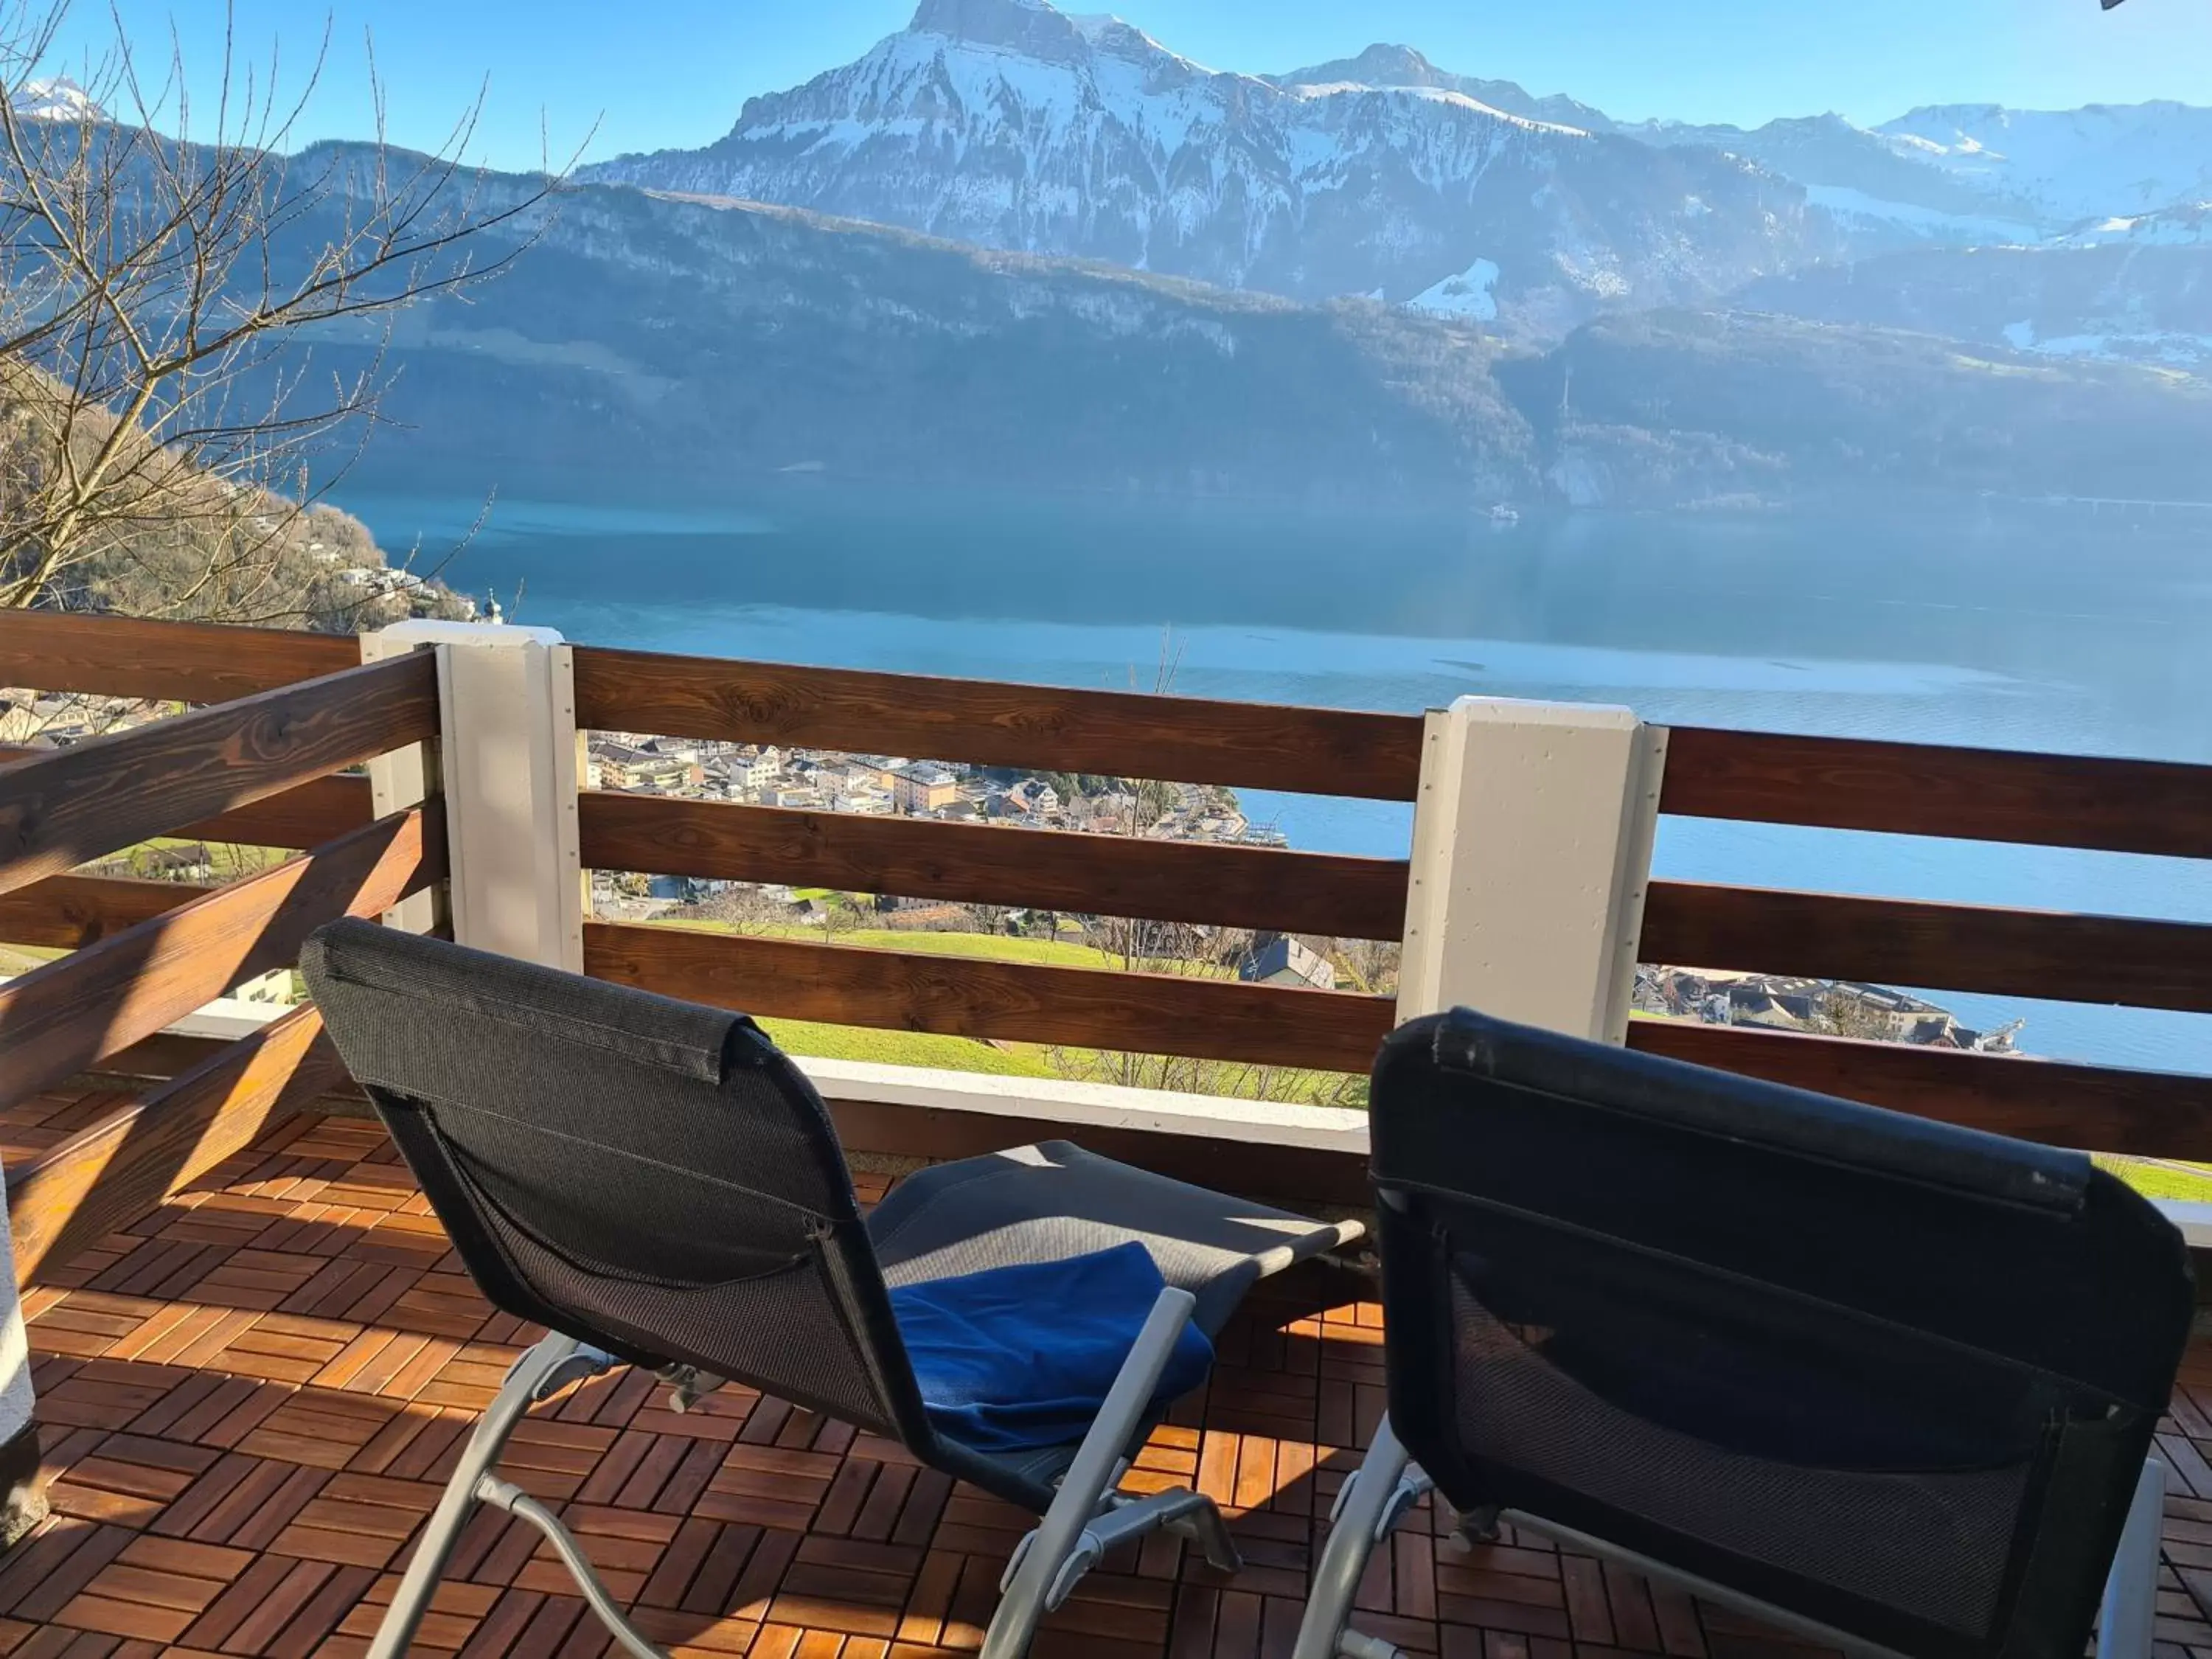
(250, 1398)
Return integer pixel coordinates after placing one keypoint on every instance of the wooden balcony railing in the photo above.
(1910, 789)
(177, 662)
(142, 954)
(1975, 794)
(1117, 734)
(260, 768)
(1325, 751)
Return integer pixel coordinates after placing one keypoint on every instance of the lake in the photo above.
(2051, 628)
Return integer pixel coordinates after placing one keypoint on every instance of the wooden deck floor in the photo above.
(250, 1398)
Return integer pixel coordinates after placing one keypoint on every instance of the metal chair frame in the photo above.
(1088, 1517)
(1388, 1484)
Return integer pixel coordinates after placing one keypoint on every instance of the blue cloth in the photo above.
(1015, 1357)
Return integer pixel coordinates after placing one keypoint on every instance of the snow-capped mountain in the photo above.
(1012, 126)
(57, 99)
(1879, 191)
(1979, 174)
(2095, 241)
(1381, 66)
(1009, 123)
(2066, 165)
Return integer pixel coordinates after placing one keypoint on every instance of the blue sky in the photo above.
(653, 73)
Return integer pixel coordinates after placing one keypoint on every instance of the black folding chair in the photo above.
(1884, 1381)
(658, 1185)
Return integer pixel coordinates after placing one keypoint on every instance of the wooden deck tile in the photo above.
(251, 1396)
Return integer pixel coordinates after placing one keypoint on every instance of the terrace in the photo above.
(253, 1355)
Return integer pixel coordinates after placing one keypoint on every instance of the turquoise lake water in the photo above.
(2030, 628)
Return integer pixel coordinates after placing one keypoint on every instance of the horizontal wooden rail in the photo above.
(1924, 789)
(185, 662)
(1953, 947)
(74, 1194)
(1321, 752)
(159, 1057)
(2099, 1109)
(962, 996)
(73, 1012)
(910, 858)
(70, 912)
(320, 809)
(60, 809)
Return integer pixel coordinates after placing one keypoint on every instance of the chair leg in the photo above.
(544, 1370)
(1062, 1548)
(2123, 1627)
(1380, 1491)
(507, 1496)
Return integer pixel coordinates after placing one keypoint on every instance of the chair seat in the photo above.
(1053, 1200)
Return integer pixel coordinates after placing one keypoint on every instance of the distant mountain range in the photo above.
(1011, 125)
(655, 348)
(1070, 259)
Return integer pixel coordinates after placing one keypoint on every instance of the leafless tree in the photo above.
(841, 915)
(1368, 965)
(741, 908)
(1839, 1012)
(1235, 1079)
(167, 269)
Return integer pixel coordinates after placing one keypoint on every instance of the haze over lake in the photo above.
(2052, 627)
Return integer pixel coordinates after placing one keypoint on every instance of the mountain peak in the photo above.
(1031, 28)
(1386, 67)
(58, 99)
(1042, 33)
(1380, 65)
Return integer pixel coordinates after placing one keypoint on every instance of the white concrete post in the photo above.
(22, 1503)
(403, 778)
(1532, 847)
(508, 760)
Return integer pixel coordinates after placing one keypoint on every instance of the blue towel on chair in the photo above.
(1015, 1357)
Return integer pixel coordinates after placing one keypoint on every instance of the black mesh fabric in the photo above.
(1933, 1541)
(1891, 1376)
(643, 1174)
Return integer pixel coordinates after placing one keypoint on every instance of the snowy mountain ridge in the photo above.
(1386, 67)
(2066, 165)
(57, 99)
(1009, 123)
(2187, 226)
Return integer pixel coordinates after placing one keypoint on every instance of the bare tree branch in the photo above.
(167, 268)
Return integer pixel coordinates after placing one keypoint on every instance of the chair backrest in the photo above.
(1889, 1375)
(644, 1175)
